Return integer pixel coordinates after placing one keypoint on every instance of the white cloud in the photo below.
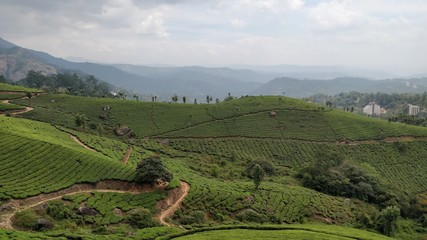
(237, 23)
(334, 15)
(189, 32)
(295, 4)
(265, 6)
(152, 24)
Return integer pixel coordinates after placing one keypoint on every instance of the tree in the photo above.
(175, 98)
(29, 96)
(151, 169)
(80, 120)
(195, 101)
(2, 79)
(229, 97)
(265, 165)
(208, 99)
(184, 99)
(388, 218)
(136, 97)
(258, 175)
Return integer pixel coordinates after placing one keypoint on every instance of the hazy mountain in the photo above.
(219, 81)
(15, 62)
(197, 82)
(304, 88)
(318, 72)
(193, 82)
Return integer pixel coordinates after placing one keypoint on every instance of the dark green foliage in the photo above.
(151, 169)
(388, 218)
(196, 217)
(25, 220)
(250, 215)
(332, 175)
(401, 146)
(80, 120)
(258, 175)
(3, 79)
(101, 230)
(58, 210)
(141, 218)
(69, 83)
(265, 165)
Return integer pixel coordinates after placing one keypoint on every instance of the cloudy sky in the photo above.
(373, 33)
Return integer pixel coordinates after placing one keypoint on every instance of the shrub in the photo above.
(250, 215)
(58, 210)
(401, 147)
(141, 218)
(26, 220)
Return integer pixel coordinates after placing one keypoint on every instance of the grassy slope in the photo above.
(7, 107)
(244, 128)
(260, 136)
(247, 117)
(406, 170)
(288, 204)
(37, 158)
(4, 87)
(305, 231)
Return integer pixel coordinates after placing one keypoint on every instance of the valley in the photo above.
(208, 146)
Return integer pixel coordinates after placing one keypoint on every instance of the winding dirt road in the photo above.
(169, 211)
(18, 205)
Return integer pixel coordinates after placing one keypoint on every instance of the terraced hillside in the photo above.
(38, 158)
(288, 132)
(252, 117)
(316, 232)
(209, 146)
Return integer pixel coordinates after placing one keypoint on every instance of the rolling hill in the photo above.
(209, 146)
(304, 88)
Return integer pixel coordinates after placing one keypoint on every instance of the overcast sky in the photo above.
(375, 33)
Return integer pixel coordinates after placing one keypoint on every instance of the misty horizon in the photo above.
(388, 36)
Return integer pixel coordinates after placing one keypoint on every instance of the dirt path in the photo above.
(127, 155)
(174, 201)
(16, 112)
(17, 205)
(77, 140)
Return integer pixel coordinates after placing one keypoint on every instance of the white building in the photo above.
(413, 110)
(373, 109)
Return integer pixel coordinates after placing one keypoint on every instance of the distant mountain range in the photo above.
(197, 82)
(303, 88)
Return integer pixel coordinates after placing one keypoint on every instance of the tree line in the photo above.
(67, 82)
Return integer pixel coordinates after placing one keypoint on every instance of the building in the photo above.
(413, 110)
(373, 109)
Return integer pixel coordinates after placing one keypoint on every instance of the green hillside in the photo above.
(4, 87)
(245, 117)
(210, 146)
(37, 158)
(306, 231)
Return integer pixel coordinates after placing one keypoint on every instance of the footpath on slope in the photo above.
(77, 140)
(173, 200)
(16, 112)
(172, 203)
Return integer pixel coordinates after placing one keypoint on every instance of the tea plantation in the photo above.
(210, 146)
